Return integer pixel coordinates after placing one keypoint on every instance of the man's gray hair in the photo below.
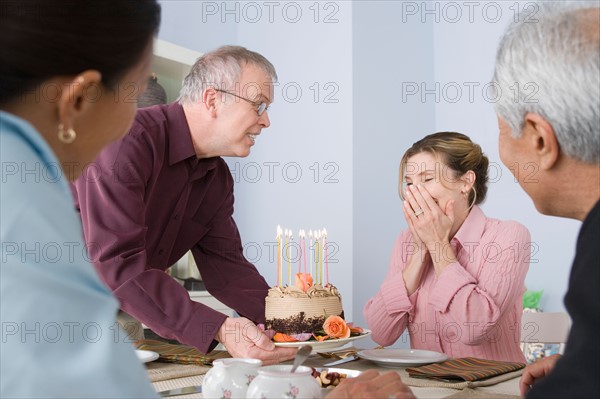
(221, 69)
(551, 58)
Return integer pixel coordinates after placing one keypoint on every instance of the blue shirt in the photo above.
(59, 333)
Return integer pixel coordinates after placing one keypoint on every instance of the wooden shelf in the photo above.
(171, 63)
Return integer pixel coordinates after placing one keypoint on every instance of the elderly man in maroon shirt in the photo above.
(164, 189)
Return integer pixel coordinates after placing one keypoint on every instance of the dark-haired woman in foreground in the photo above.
(456, 277)
(69, 77)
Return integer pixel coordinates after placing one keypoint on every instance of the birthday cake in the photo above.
(291, 310)
(304, 308)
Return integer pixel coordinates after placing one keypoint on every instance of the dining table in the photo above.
(165, 376)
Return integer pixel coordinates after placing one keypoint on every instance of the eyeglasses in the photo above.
(261, 107)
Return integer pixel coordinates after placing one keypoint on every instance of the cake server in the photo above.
(181, 391)
(341, 361)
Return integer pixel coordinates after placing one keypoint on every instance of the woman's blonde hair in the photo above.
(457, 152)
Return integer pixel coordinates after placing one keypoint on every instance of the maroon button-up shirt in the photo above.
(144, 202)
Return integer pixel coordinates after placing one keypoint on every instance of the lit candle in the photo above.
(310, 249)
(321, 257)
(300, 251)
(278, 255)
(326, 257)
(288, 236)
(318, 257)
(304, 249)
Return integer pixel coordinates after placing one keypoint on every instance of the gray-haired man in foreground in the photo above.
(560, 133)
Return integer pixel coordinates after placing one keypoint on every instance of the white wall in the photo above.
(371, 53)
(191, 24)
(387, 54)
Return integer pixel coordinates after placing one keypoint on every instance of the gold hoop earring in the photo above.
(66, 136)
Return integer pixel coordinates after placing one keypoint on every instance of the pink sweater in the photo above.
(473, 308)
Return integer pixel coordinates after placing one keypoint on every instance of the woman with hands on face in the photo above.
(456, 277)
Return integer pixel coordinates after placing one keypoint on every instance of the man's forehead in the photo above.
(255, 73)
(256, 83)
(258, 91)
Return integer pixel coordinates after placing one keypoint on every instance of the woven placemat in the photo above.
(177, 353)
(194, 380)
(158, 371)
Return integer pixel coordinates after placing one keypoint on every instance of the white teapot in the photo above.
(230, 378)
(279, 382)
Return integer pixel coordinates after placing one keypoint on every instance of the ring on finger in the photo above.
(419, 212)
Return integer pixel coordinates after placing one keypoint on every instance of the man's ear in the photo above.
(209, 100)
(75, 98)
(539, 133)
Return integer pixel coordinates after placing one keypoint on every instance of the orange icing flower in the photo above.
(336, 327)
(303, 281)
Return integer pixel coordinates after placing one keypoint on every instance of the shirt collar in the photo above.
(180, 142)
(180, 138)
(24, 129)
(21, 127)
(472, 228)
(178, 134)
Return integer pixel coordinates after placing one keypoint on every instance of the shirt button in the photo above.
(160, 251)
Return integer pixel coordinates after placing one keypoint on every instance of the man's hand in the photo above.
(242, 338)
(371, 384)
(535, 371)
